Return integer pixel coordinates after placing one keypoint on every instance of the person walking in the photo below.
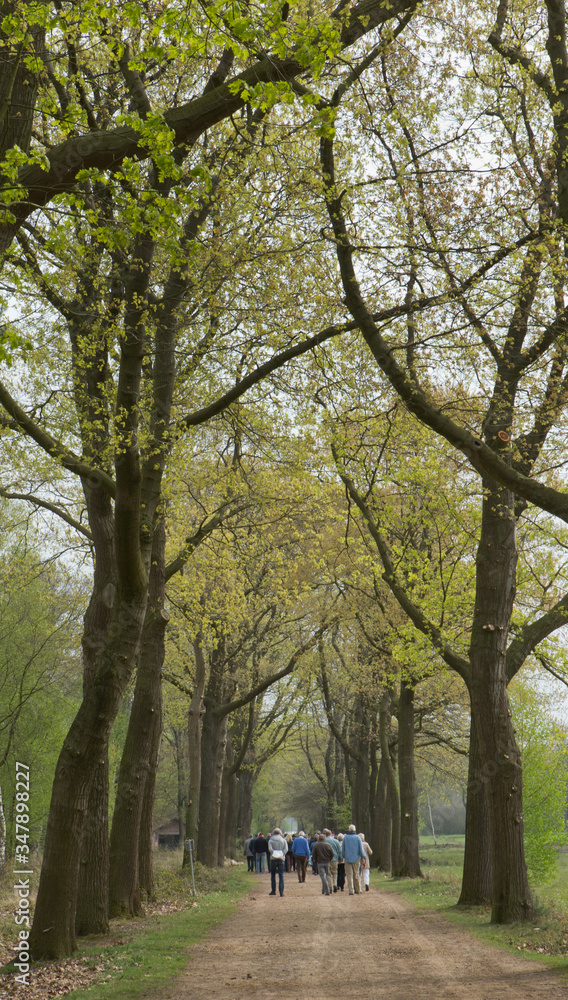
(313, 840)
(322, 854)
(301, 850)
(290, 861)
(334, 843)
(340, 866)
(365, 871)
(260, 852)
(277, 847)
(249, 853)
(353, 852)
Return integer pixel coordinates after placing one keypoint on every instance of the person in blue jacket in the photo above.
(301, 850)
(352, 852)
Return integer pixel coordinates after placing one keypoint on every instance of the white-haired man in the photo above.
(353, 852)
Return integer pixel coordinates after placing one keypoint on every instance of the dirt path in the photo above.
(306, 946)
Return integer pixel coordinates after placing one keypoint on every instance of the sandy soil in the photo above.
(305, 946)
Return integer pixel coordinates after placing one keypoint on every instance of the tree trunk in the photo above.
(224, 805)
(93, 884)
(229, 808)
(383, 819)
(409, 861)
(213, 744)
(247, 779)
(476, 879)
(500, 757)
(182, 785)
(146, 713)
(340, 774)
(373, 790)
(232, 832)
(194, 723)
(360, 772)
(18, 83)
(2, 834)
(384, 720)
(53, 931)
(92, 896)
(145, 855)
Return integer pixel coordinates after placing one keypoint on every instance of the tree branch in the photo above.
(106, 150)
(53, 508)
(52, 447)
(232, 706)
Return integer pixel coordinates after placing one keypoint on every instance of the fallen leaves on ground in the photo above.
(57, 979)
(54, 979)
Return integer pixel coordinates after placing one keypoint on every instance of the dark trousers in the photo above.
(301, 865)
(277, 868)
(341, 875)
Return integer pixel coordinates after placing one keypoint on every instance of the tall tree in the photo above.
(516, 338)
(123, 303)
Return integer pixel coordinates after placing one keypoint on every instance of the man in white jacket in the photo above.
(277, 848)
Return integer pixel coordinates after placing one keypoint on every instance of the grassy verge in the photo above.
(546, 940)
(144, 961)
(140, 957)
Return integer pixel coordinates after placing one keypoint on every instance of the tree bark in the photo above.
(18, 84)
(194, 723)
(409, 860)
(232, 833)
(476, 879)
(247, 779)
(53, 931)
(2, 834)
(92, 895)
(360, 781)
(384, 719)
(145, 718)
(383, 819)
(500, 760)
(93, 883)
(213, 747)
(229, 806)
(182, 785)
(145, 846)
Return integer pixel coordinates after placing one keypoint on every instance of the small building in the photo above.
(166, 836)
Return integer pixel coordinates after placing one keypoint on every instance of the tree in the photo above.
(429, 210)
(126, 288)
(249, 619)
(289, 44)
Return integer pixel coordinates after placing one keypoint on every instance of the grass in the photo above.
(546, 939)
(140, 957)
(149, 954)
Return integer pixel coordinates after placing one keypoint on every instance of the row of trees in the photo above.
(193, 198)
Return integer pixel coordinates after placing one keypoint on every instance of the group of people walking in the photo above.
(336, 859)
